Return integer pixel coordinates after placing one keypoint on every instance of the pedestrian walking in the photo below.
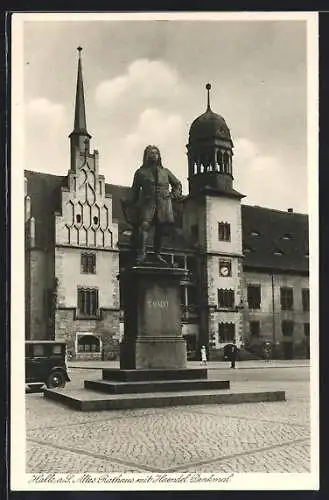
(267, 352)
(203, 355)
(234, 354)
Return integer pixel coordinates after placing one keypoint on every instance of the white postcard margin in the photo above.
(19, 480)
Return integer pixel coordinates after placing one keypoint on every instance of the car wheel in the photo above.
(56, 379)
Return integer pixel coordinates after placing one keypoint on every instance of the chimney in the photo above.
(290, 210)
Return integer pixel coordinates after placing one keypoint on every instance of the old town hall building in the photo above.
(248, 265)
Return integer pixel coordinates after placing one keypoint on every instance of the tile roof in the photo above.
(273, 239)
(44, 190)
(271, 225)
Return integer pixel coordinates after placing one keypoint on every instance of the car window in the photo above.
(57, 349)
(38, 350)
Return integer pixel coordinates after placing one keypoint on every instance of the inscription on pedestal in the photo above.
(162, 304)
(161, 314)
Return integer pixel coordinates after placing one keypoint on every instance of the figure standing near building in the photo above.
(267, 352)
(151, 203)
(203, 355)
(234, 354)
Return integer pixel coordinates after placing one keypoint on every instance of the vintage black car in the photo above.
(46, 363)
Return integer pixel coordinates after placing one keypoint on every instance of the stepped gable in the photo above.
(44, 190)
(273, 239)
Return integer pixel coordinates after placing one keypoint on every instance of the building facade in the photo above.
(248, 278)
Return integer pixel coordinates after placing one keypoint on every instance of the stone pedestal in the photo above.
(152, 322)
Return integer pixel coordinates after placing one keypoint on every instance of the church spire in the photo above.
(79, 137)
(80, 125)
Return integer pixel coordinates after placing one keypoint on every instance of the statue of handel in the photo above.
(151, 203)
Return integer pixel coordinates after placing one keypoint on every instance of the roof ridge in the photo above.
(274, 210)
(26, 170)
(116, 185)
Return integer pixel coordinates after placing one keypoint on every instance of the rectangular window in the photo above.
(286, 298)
(287, 328)
(254, 296)
(87, 301)
(254, 328)
(88, 263)
(57, 349)
(226, 332)
(224, 231)
(306, 299)
(225, 268)
(225, 298)
(38, 350)
(306, 329)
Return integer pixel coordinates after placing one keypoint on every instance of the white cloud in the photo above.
(266, 180)
(157, 127)
(143, 78)
(145, 103)
(45, 109)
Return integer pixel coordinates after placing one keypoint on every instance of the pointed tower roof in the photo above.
(80, 125)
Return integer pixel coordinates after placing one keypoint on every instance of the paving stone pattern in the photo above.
(257, 437)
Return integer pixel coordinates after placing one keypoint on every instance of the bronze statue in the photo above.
(151, 203)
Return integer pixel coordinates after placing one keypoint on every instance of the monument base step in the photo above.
(87, 400)
(122, 375)
(114, 387)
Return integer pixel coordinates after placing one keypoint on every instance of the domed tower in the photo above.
(212, 222)
(210, 151)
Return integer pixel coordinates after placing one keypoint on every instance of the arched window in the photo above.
(226, 163)
(219, 161)
(88, 343)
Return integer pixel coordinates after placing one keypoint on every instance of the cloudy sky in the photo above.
(145, 84)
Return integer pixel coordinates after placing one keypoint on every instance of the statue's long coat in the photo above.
(152, 195)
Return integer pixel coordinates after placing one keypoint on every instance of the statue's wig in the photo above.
(146, 153)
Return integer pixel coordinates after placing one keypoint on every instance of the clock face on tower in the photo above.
(225, 269)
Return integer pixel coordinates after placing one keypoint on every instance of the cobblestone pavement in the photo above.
(257, 437)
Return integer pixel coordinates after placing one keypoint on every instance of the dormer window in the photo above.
(287, 237)
(255, 233)
(277, 252)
